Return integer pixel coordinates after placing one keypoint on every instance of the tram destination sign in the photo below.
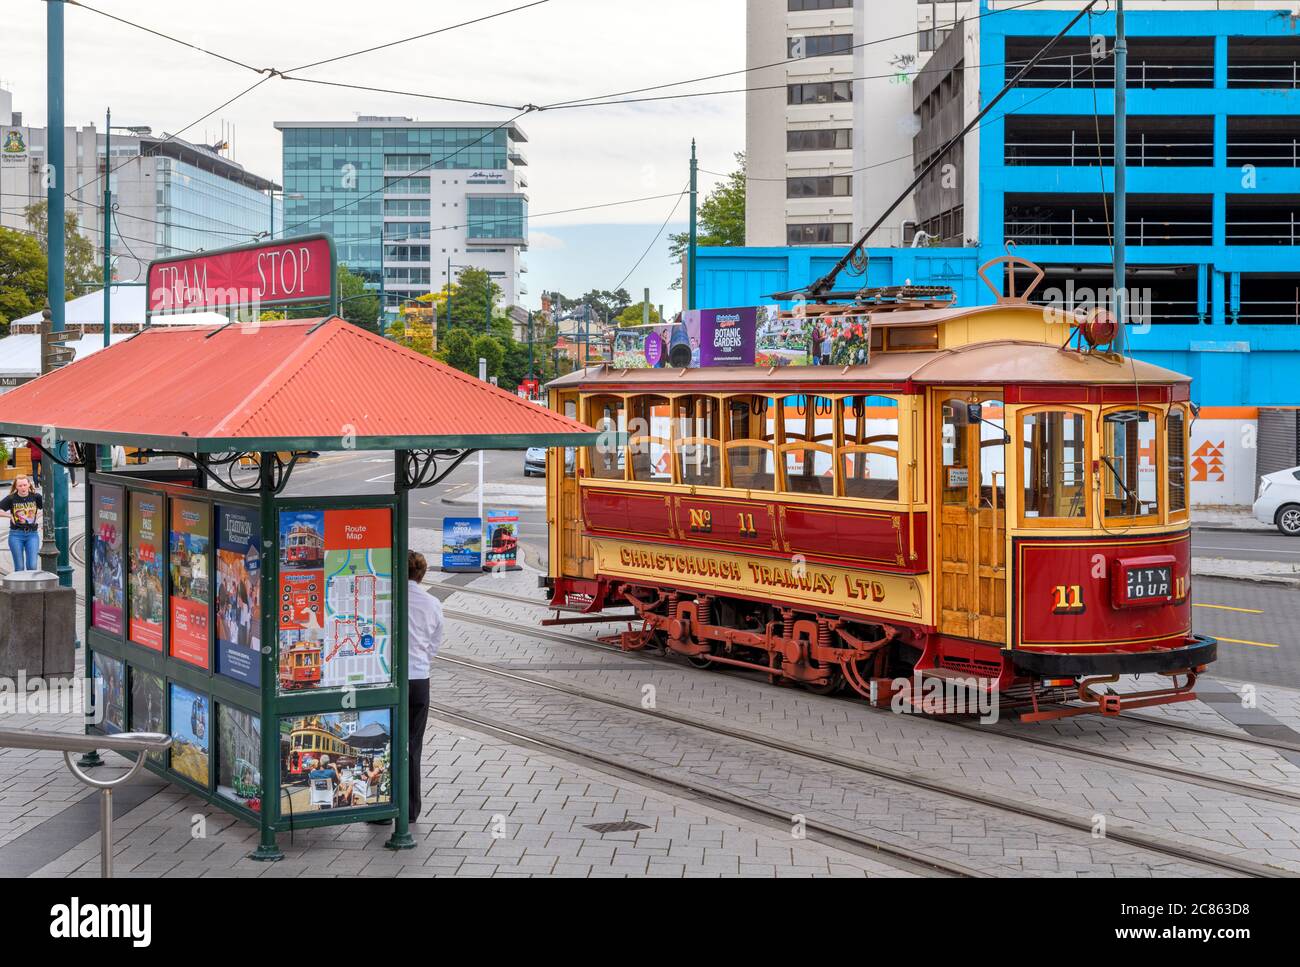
(1143, 581)
(285, 272)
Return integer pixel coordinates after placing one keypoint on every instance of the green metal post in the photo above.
(383, 310)
(1119, 298)
(268, 851)
(694, 233)
(91, 759)
(401, 838)
(54, 229)
(530, 345)
(106, 455)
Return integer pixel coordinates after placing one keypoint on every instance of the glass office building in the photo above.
(415, 201)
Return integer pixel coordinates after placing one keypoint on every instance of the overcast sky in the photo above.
(556, 51)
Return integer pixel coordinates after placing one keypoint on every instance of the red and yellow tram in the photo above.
(980, 502)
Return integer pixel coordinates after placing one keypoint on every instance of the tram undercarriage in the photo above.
(889, 665)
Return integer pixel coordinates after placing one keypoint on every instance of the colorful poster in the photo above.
(335, 761)
(239, 757)
(191, 589)
(336, 594)
(462, 544)
(502, 528)
(109, 678)
(239, 597)
(145, 564)
(726, 336)
(107, 566)
(813, 340)
(190, 734)
(147, 697)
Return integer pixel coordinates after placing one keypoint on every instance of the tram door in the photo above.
(574, 549)
(972, 515)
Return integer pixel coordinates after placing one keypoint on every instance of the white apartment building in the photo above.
(831, 144)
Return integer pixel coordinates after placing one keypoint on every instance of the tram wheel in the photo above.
(700, 661)
(828, 687)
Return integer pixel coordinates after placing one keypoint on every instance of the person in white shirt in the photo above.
(424, 638)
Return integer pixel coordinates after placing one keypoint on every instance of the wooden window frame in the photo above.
(1178, 516)
(870, 445)
(1158, 519)
(783, 484)
(1091, 442)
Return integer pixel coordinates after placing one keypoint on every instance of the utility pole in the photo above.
(108, 221)
(530, 345)
(383, 309)
(1120, 283)
(54, 229)
(645, 309)
(694, 232)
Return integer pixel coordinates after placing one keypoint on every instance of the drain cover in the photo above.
(623, 827)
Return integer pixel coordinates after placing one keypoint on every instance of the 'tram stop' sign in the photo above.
(287, 271)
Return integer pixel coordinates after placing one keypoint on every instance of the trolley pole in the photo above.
(1119, 283)
(54, 229)
(694, 232)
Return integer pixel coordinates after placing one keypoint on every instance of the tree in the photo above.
(635, 316)
(81, 271)
(490, 349)
(357, 304)
(458, 350)
(22, 276)
(721, 217)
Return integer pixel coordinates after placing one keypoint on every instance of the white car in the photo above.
(1279, 501)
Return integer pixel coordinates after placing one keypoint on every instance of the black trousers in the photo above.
(419, 717)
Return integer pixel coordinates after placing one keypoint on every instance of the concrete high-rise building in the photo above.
(444, 195)
(830, 123)
(171, 197)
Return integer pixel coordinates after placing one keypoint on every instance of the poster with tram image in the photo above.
(336, 593)
(144, 566)
(147, 698)
(336, 760)
(239, 757)
(107, 562)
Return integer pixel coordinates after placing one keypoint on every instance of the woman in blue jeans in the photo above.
(23, 509)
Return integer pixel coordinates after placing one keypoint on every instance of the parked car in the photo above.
(1279, 501)
(535, 462)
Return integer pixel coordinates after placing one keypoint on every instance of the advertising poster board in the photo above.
(145, 563)
(147, 699)
(336, 598)
(462, 543)
(239, 757)
(814, 340)
(239, 599)
(191, 580)
(109, 677)
(725, 336)
(336, 760)
(107, 561)
(502, 529)
(190, 734)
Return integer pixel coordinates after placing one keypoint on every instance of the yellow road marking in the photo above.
(1224, 607)
(1258, 644)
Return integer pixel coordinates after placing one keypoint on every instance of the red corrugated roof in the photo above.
(299, 384)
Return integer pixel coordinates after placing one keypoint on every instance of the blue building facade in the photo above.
(1213, 191)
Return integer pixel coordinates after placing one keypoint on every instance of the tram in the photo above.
(988, 497)
(309, 741)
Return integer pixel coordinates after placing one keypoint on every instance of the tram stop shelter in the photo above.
(266, 634)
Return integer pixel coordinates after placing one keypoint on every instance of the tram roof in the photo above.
(300, 384)
(1004, 362)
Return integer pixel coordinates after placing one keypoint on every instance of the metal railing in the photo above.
(1275, 232)
(1263, 312)
(1078, 70)
(1285, 75)
(140, 743)
(1141, 152)
(1077, 231)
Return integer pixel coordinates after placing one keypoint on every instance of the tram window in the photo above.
(1129, 470)
(1055, 464)
(750, 466)
(570, 453)
(649, 433)
(808, 418)
(1176, 449)
(752, 418)
(913, 339)
(606, 414)
(697, 435)
(869, 454)
(808, 470)
(993, 455)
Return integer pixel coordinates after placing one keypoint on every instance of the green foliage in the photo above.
(721, 217)
(22, 276)
(634, 316)
(489, 348)
(458, 350)
(357, 304)
(81, 270)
